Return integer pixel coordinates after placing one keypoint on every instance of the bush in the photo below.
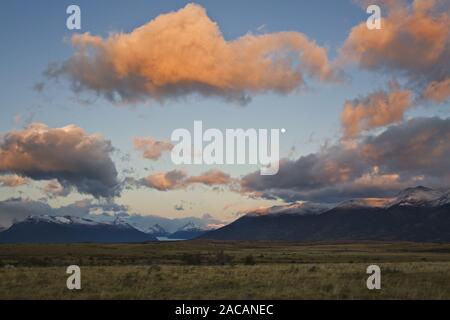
(192, 259)
(249, 260)
(153, 268)
(312, 269)
(130, 279)
(222, 258)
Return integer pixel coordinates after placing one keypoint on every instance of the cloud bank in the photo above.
(404, 155)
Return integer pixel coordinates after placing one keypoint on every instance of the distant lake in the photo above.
(168, 239)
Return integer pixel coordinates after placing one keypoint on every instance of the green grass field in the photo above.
(218, 270)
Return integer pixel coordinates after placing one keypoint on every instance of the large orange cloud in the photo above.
(414, 42)
(184, 52)
(68, 154)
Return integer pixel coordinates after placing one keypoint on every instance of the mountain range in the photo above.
(415, 214)
(160, 226)
(188, 231)
(157, 231)
(67, 229)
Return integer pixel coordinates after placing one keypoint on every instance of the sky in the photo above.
(365, 111)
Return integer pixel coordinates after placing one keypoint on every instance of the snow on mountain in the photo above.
(442, 200)
(297, 208)
(415, 197)
(189, 231)
(74, 221)
(145, 223)
(364, 203)
(68, 229)
(122, 223)
(419, 197)
(190, 226)
(59, 220)
(156, 230)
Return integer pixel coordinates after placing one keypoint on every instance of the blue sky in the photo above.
(34, 34)
(38, 39)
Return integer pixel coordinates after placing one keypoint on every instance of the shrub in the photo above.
(249, 260)
(153, 268)
(312, 269)
(191, 259)
(222, 258)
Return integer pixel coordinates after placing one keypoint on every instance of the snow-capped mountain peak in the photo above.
(414, 197)
(442, 200)
(60, 220)
(69, 229)
(66, 220)
(417, 197)
(190, 226)
(120, 222)
(297, 208)
(156, 229)
(364, 203)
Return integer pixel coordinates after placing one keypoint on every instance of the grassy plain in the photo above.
(226, 270)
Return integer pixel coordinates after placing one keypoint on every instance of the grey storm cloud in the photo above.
(412, 153)
(420, 146)
(331, 165)
(68, 154)
(16, 209)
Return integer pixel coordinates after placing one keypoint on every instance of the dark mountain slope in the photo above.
(46, 229)
(399, 223)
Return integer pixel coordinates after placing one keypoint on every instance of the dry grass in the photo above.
(220, 271)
